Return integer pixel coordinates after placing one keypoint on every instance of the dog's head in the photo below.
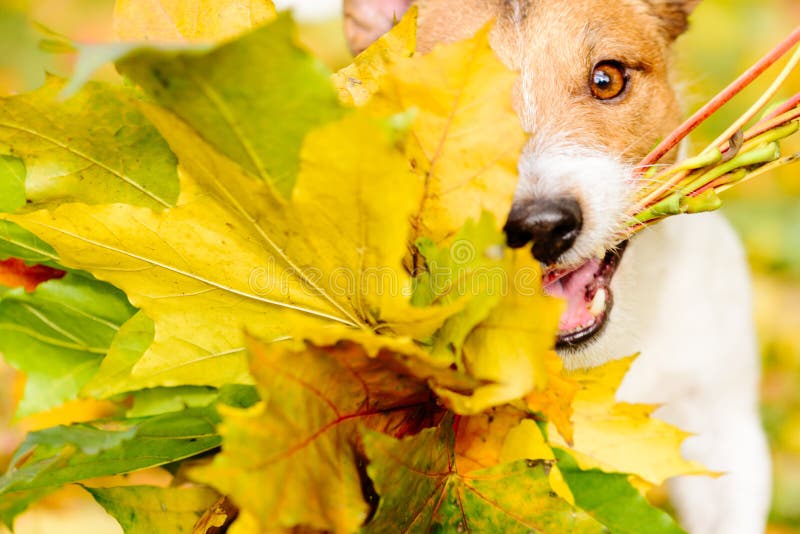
(593, 94)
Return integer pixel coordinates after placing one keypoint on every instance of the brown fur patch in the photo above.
(674, 14)
(554, 44)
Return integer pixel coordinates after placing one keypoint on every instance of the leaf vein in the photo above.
(87, 157)
(198, 278)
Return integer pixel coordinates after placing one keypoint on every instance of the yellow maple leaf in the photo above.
(405, 351)
(507, 350)
(233, 253)
(188, 20)
(555, 400)
(504, 435)
(360, 80)
(454, 93)
(621, 437)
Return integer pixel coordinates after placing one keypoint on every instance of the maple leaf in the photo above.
(148, 509)
(96, 147)
(199, 305)
(155, 401)
(506, 327)
(454, 91)
(555, 400)
(241, 110)
(474, 266)
(422, 487)
(475, 475)
(323, 394)
(188, 20)
(361, 79)
(502, 435)
(621, 437)
(117, 256)
(507, 349)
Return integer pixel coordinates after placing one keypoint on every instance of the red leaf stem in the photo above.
(721, 99)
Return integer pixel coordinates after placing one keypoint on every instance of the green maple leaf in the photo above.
(422, 488)
(244, 219)
(254, 99)
(154, 401)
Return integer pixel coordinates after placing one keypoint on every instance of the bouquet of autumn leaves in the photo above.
(292, 288)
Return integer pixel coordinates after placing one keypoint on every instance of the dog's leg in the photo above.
(734, 503)
(699, 359)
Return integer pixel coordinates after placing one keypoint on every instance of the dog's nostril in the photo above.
(517, 236)
(552, 225)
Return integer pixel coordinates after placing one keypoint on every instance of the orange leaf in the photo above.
(555, 401)
(294, 459)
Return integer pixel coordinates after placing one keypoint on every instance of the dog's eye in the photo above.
(608, 80)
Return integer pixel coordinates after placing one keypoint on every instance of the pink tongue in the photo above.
(572, 288)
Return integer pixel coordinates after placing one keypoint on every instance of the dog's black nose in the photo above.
(552, 225)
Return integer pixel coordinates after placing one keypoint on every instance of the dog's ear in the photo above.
(674, 14)
(366, 20)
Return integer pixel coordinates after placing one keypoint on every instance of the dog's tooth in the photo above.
(598, 305)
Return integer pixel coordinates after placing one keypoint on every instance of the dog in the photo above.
(595, 95)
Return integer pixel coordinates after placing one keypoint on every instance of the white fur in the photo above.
(684, 287)
(553, 169)
(682, 300)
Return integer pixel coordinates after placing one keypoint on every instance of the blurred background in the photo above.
(727, 37)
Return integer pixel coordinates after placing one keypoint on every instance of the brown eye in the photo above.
(608, 80)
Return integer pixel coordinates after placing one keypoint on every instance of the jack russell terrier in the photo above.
(595, 95)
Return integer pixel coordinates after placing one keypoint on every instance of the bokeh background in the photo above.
(727, 36)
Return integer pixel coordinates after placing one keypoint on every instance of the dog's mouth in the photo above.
(587, 292)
